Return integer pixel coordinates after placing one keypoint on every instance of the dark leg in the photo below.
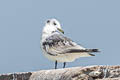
(55, 64)
(64, 64)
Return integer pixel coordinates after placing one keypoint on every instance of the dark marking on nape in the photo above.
(54, 31)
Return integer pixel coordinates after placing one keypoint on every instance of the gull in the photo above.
(58, 48)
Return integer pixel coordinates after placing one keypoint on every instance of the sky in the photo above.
(91, 23)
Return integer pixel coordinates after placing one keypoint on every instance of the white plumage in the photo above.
(57, 47)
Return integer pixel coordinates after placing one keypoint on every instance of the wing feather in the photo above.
(59, 44)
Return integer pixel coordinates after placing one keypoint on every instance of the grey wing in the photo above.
(59, 44)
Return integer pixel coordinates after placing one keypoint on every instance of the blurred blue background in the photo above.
(92, 23)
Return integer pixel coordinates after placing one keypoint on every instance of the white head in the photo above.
(51, 26)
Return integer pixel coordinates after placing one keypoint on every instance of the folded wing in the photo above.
(58, 44)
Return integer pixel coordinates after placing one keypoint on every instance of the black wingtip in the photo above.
(95, 50)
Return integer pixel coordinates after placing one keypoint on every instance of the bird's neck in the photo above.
(48, 31)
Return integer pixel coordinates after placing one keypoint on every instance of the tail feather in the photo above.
(91, 54)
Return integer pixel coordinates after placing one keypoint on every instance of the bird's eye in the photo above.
(54, 23)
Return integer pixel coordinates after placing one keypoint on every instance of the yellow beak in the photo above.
(60, 30)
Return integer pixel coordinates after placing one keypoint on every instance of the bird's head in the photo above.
(53, 25)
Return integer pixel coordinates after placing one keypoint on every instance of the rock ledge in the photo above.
(75, 73)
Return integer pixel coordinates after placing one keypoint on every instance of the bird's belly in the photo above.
(60, 58)
(68, 57)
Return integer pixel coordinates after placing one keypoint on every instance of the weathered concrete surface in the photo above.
(76, 73)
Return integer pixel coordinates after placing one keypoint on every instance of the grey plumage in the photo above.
(58, 44)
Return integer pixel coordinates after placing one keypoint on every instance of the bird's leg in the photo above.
(55, 64)
(64, 64)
